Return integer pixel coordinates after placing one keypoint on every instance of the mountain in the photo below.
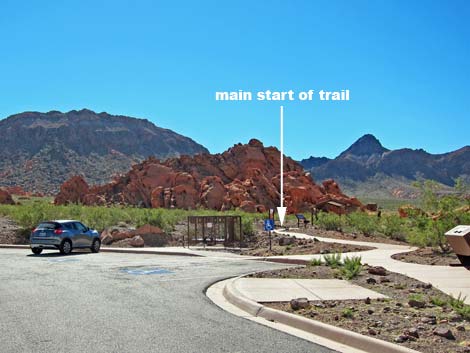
(244, 176)
(368, 169)
(39, 151)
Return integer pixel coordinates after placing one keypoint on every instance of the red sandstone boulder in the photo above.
(5, 198)
(73, 190)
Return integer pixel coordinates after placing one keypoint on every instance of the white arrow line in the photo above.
(282, 210)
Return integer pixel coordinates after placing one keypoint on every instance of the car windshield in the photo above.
(48, 226)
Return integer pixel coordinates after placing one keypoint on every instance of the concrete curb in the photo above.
(117, 250)
(349, 338)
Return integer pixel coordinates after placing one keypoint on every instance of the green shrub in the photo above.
(315, 262)
(459, 306)
(352, 267)
(437, 301)
(392, 226)
(333, 260)
(416, 296)
(347, 313)
(362, 222)
(329, 221)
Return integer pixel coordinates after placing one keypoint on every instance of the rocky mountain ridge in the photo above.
(39, 151)
(369, 168)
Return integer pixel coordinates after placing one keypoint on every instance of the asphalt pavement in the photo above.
(119, 303)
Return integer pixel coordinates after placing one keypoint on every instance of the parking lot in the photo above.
(110, 302)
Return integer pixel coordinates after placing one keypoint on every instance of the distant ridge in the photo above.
(368, 169)
(39, 151)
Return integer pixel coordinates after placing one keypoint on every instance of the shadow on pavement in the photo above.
(58, 254)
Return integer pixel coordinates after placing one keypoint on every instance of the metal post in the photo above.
(188, 231)
(241, 231)
(204, 231)
(270, 245)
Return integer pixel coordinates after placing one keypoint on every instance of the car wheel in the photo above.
(65, 247)
(36, 251)
(96, 245)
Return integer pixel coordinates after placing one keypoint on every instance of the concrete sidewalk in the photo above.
(269, 290)
(450, 280)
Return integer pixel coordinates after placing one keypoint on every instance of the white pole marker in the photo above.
(282, 210)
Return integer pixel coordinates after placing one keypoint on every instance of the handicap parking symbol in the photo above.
(154, 271)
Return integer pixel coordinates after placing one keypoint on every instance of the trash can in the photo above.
(459, 240)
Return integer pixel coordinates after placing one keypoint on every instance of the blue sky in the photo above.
(406, 64)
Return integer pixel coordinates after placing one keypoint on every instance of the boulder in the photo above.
(445, 332)
(299, 303)
(416, 303)
(5, 198)
(377, 270)
(286, 241)
(153, 236)
(136, 242)
(73, 190)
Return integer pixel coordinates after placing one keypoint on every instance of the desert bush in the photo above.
(438, 301)
(333, 260)
(347, 313)
(362, 222)
(352, 267)
(329, 221)
(459, 306)
(31, 214)
(392, 227)
(416, 296)
(315, 262)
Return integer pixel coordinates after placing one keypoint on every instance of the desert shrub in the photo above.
(459, 306)
(352, 266)
(347, 313)
(329, 221)
(416, 296)
(362, 222)
(315, 262)
(31, 214)
(392, 226)
(333, 260)
(438, 301)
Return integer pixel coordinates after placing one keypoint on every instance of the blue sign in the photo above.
(153, 271)
(63, 260)
(268, 225)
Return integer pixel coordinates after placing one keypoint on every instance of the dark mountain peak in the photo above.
(367, 145)
(313, 162)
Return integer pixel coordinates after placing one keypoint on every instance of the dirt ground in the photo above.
(395, 319)
(9, 232)
(260, 247)
(429, 256)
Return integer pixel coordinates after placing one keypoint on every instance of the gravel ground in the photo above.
(260, 247)
(9, 232)
(396, 319)
(428, 256)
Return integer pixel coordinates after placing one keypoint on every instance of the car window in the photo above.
(70, 226)
(48, 226)
(80, 226)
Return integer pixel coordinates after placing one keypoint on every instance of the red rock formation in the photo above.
(74, 190)
(244, 176)
(5, 198)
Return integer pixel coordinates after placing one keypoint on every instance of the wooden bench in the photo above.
(301, 218)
